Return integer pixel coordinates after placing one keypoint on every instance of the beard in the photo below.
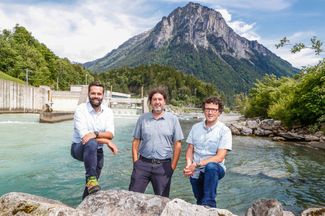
(158, 109)
(95, 103)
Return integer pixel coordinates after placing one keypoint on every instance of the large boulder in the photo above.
(292, 136)
(314, 212)
(265, 207)
(252, 124)
(15, 203)
(246, 131)
(270, 124)
(178, 207)
(121, 202)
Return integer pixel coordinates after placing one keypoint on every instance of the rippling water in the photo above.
(35, 158)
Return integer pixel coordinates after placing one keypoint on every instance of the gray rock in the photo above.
(252, 124)
(319, 134)
(288, 213)
(261, 132)
(239, 125)
(234, 130)
(309, 138)
(246, 131)
(278, 139)
(292, 136)
(121, 202)
(314, 212)
(15, 203)
(322, 139)
(265, 207)
(267, 124)
(178, 207)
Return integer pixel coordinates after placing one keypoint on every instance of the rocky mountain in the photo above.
(196, 40)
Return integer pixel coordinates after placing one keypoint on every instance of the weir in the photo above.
(56, 106)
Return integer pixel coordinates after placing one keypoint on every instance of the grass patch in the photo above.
(10, 78)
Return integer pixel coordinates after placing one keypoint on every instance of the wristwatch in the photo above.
(96, 133)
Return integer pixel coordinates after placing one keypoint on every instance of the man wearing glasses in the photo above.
(208, 144)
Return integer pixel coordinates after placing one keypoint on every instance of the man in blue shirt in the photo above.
(208, 144)
(93, 127)
(156, 147)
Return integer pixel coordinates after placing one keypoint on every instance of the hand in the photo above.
(189, 169)
(88, 137)
(112, 147)
(173, 166)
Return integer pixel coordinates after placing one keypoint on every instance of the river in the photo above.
(35, 158)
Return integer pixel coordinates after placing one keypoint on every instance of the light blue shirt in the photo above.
(207, 141)
(86, 120)
(157, 135)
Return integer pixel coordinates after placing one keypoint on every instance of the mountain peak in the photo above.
(197, 40)
(202, 27)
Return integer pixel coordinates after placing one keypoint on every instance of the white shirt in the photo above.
(86, 120)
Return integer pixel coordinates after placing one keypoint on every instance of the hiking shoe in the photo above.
(92, 185)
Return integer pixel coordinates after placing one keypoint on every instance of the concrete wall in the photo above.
(21, 98)
(16, 97)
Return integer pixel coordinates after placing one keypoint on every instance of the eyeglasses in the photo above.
(211, 109)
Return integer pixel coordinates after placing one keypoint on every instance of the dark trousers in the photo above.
(92, 157)
(158, 174)
(205, 187)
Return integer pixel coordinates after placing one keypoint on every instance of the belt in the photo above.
(154, 161)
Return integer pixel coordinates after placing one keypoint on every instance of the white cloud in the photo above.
(243, 29)
(274, 5)
(306, 57)
(81, 32)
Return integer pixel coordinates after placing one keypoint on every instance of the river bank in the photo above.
(122, 202)
(268, 128)
(277, 132)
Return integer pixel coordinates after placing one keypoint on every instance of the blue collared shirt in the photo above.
(207, 141)
(157, 135)
(86, 120)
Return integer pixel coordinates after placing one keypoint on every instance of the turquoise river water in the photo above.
(35, 158)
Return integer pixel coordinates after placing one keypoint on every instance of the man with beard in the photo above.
(208, 144)
(93, 127)
(156, 147)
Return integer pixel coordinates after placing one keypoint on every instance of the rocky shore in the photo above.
(126, 203)
(275, 130)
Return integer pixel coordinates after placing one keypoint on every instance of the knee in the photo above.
(213, 167)
(91, 145)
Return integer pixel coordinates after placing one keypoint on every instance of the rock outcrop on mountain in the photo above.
(196, 40)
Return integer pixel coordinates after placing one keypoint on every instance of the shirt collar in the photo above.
(161, 117)
(91, 109)
(210, 128)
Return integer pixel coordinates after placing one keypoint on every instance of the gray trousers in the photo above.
(158, 174)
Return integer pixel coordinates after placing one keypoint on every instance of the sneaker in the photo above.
(92, 185)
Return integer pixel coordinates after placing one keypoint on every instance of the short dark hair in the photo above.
(96, 83)
(160, 90)
(213, 100)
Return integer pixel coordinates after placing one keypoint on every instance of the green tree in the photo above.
(316, 45)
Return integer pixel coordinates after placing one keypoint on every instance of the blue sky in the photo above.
(84, 30)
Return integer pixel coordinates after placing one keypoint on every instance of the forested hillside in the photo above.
(295, 101)
(182, 89)
(21, 53)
